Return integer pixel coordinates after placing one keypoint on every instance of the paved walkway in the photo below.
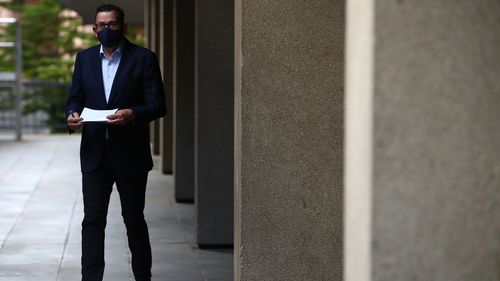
(41, 211)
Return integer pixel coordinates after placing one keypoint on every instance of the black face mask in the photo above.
(110, 38)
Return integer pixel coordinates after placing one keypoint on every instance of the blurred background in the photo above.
(51, 37)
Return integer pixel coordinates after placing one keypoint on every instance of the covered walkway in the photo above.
(41, 212)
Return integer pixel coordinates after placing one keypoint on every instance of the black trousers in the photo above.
(97, 187)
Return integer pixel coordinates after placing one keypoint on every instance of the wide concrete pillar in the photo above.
(289, 140)
(184, 102)
(423, 140)
(214, 126)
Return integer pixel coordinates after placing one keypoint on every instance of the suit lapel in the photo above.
(120, 73)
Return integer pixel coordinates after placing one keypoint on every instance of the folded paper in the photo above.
(92, 115)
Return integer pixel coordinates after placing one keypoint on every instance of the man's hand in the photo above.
(121, 117)
(74, 121)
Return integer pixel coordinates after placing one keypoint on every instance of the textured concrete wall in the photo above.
(436, 141)
(214, 153)
(289, 138)
(184, 102)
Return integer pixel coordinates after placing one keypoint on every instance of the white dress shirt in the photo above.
(109, 68)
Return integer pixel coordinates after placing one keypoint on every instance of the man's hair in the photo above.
(109, 8)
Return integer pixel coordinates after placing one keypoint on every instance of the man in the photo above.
(115, 74)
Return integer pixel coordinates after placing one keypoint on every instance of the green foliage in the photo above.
(7, 55)
(48, 53)
(51, 38)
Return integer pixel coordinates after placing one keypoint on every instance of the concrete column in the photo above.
(151, 34)
(154, 25)
(289, 140)
(167, 65)
(422, 165)
(184, 103)
(147, 22)
(214, 127)
(155, 46)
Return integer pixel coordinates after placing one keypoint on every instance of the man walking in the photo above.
(115, 75)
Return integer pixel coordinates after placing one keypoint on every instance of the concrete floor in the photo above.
(41, 211)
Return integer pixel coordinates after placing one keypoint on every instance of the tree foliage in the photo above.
(49, 34)
(52, 35)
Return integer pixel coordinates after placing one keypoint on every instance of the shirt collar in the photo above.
(116, 54)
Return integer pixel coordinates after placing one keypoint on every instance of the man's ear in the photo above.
(95, 32)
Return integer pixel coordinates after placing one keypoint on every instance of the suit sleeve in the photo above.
(75, 100)
(154, 96)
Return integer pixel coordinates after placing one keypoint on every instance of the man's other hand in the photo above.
(121, 117)
(74, 121)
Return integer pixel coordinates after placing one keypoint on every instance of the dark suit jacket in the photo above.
(137, 85)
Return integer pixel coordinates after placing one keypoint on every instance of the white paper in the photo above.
(92, 115)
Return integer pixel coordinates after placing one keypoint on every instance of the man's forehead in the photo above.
(106, 16)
